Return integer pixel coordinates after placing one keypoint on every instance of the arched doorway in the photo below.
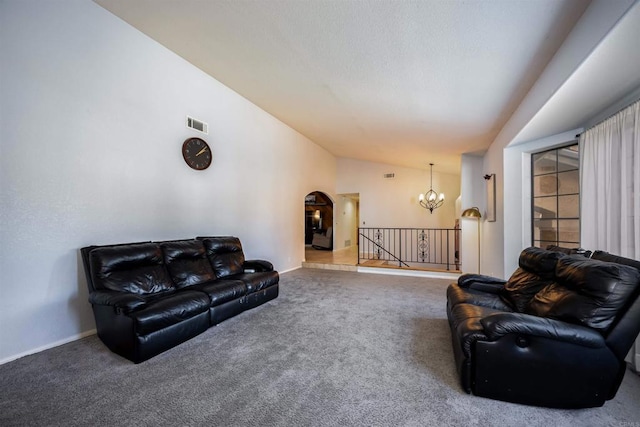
(318, 217)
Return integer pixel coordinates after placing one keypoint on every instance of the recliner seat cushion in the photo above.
(169, 310)
(136, 268)
(258, 280)
(225, 255)
(536, 270)
(587, 292)
(222, 290)
(187, 262)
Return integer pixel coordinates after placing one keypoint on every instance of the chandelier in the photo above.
(431, 200)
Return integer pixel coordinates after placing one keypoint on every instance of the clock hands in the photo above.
(198, 160)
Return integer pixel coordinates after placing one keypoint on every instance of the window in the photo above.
(555, 205)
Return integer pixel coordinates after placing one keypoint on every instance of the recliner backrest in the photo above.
(136, 268)
(225, 255)
(536, 270)
(187, 262)
(587, 291)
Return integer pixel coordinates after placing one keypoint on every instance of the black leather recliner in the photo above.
(555, 334)
(149, 297)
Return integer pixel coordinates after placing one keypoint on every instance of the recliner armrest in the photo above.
(481, 282)
(121, 301)
(256, 265)
(497, 325)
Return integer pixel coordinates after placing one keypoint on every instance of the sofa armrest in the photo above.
(497, 325)
(120, 301)
(481, 282)
(256, 265)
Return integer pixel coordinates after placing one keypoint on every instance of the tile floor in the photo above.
(342, 259)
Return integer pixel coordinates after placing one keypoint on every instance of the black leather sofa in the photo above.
(555, 334)
(148, 297)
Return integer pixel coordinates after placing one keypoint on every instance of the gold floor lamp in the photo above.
(474, 212)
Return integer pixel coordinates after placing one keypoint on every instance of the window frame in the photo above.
(557, 219)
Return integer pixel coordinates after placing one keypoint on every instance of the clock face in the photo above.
(197, 153)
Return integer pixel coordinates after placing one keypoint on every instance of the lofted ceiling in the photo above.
(611, 72)
(399, 82)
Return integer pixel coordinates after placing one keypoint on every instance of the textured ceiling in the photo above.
(399, 82)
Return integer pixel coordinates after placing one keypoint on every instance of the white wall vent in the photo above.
(389, 175)
(197, 125)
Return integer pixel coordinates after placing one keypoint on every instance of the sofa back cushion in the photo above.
(136, 268)
(606, 256)
(225, 255)
(187, 262)
(569, 251)
(536, 270)
(587, 291)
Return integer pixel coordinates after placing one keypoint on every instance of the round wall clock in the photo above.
(197, 153)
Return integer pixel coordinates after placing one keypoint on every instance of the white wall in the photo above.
(493, 233)
(473, 193)
(92, 125)
(501, 238)
(394, 202)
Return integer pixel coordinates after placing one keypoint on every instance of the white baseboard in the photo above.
(291, 269)
(48, 346)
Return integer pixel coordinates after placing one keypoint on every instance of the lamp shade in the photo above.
(473, 212)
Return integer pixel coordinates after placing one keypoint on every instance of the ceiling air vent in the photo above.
(389, 175)
(197, 125)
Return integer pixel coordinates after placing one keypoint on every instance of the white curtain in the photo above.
(610, 190)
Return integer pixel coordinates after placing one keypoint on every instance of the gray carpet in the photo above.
(334, 349)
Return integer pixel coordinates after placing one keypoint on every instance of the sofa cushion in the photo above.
(258, 280)
(222, 290)
(187, 262)
(137, 268)
(569, 251)
(481, 282)
(536, 270)
(606, 256)
(539, 261)
(459, 295)
(169, 310)
(587, 292)
(225, 255)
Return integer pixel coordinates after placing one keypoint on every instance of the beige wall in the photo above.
(394, 202)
